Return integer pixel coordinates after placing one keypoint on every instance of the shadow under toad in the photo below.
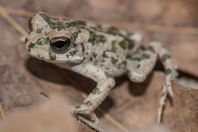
(55, 74)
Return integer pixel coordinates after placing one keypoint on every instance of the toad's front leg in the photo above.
(99, 93)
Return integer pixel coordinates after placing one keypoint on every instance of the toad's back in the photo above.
(112, 50)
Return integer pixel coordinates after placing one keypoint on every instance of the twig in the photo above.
(18, 12)
(171, 29)
(12, 22)
(2, 112)
(146, 27)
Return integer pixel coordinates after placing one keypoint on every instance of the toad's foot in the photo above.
(92, 122)
(92, 125)
(82, 110)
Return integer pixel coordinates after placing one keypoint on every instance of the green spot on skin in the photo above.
(97, 27)
(88, 103)
(94, 55)
(83, 48)
(113, 49)
(95, 38)
(74, 36)
(142, 48)
(42, 41)
(138, 66)
(168, 71)
(104, 55)
(126, 44)
(60, 26)
(113, 31)
(48, 20)
(30, 46)
(75, 23)
(67, 56)
(113, 60)
(136, 59)
(123, 44)
(145, 56)
(165, 57)
(39, 30)
(80, 22)
(151, 48)
(44, 16)
(52, 56)
(96, 91)
(101, 38)
(72, 53)
(55, 24)
(92, 37)
(128, 56)
(130, 45)
(67, 25)
(122, 64)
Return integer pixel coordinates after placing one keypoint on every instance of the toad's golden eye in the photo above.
(60, 44)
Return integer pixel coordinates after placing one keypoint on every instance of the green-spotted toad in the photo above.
(99, 52)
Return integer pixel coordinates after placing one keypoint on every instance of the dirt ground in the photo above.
(25, 81)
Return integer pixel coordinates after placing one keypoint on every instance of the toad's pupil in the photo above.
(60, 44)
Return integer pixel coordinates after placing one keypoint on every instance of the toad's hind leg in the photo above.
(171, 73)
(141, 63)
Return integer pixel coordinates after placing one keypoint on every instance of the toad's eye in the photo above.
(60, 44)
